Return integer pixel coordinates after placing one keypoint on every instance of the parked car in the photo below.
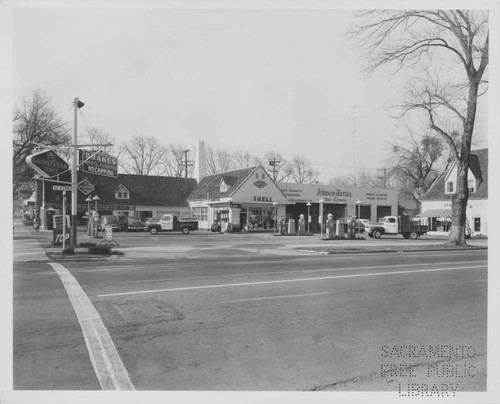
(131, 224)
(108, 220)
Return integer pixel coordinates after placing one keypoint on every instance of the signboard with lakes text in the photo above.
(99, 163)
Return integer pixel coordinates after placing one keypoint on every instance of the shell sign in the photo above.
(47, 163)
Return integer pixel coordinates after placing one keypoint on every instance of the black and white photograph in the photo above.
(250, 201)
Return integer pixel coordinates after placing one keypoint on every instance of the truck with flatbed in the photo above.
(170, 222)
(408, 227)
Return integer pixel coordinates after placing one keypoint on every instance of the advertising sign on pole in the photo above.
(25, 192)
(57, 231)
(97, 163)
(47, 163)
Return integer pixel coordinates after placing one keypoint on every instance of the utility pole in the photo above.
(74, 176)
(186, 161)
(274, 163)
(354, 143)
(384, 175)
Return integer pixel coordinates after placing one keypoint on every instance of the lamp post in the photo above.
(321, 201)
(275, 204)
(88, 200)
(74, 175)
(308, 215)
(358, 205)
(96, 215)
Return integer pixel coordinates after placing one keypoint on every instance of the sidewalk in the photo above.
(26, 246)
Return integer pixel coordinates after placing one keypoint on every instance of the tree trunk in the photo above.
(461, 197)
(459, 206)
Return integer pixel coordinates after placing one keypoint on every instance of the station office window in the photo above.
(201, 213)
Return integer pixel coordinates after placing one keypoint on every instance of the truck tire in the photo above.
(153, 231)
(376, 233)
(414, 235)
(185, 230)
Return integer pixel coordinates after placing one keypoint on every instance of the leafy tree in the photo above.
(415, 38)
(35, 121)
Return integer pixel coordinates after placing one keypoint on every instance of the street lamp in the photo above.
(88, 200)
(96, 198)
(74, 175)
(275, 204)
(321, 201)
(358, 205)
(308, 215)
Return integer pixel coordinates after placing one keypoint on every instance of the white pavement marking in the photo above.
(288, 281)
(107, 363)
(274, 297)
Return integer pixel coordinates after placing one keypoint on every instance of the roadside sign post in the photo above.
(63, 188)
(64, 222)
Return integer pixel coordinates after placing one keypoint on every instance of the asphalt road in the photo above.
(256, 322)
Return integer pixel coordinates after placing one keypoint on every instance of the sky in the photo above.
(285, 79)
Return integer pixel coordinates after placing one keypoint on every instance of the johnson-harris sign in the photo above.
(98, 163)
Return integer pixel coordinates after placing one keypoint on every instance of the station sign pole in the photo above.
(76, 104)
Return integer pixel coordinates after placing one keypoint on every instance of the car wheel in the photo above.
(185, 230)
(377, 233)
(413, 235)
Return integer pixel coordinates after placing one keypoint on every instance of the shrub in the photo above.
(69, 251)
(100, 250)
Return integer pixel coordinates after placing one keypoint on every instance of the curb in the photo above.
(393, 250)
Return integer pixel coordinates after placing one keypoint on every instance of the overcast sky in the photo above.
(241, 79)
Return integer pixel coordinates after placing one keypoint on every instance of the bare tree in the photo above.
(244, 159)
(425, 38)
(142, 156)
(97, 136)
(34, 121)
(417, 163)
(362, 178)
(279, 168)
(301, 170)
(174, 161)
(218, 161)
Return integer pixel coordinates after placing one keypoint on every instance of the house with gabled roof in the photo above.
(436, 203)
(245, 199)
(139, 196)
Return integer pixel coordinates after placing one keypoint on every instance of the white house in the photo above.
(437, 201)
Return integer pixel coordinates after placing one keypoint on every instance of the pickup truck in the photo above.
(171, 223)
(408, 227)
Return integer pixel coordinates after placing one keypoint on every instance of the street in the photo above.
(253, 321)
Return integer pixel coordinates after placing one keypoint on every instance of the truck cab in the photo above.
(167, 222)
(391, 225)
